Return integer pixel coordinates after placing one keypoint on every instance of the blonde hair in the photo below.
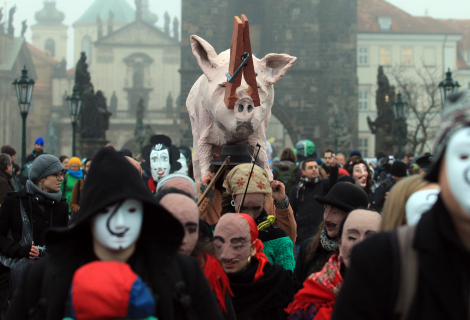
(393, 213)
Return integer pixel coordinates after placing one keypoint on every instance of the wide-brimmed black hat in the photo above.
(346, 197)
(424, 162)
(239, 154)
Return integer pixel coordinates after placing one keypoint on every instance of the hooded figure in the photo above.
(176, 282)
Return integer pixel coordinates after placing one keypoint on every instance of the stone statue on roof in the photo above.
(1, 14)
(167, 23)
(99, 24)
(24, 26)
(110, 22)
(176, 33)
(11, 29)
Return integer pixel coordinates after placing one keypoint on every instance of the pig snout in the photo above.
(244, 111)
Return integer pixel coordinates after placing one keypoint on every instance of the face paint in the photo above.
(418, 203)
(118, 226)
(160, 162)
(232, 242)
(184, 165)
(458, 167)
(360, 175)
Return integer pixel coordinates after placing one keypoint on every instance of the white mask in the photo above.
(420, 202)
(184, 165)
(458, 167)
(160, 162)
(118, 227)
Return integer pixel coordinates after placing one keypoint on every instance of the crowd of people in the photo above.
(330, 237)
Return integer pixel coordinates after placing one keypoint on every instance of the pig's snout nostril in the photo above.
(249, 108)
(240, 108)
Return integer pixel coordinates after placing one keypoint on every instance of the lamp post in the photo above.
(448, 86)
(24, 92)
(399, 112)
(74, 103)
(141, 131)
(336, 127)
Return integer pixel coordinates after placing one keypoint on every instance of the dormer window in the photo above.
(385, 23)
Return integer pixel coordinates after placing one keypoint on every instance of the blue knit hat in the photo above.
(40, 141)
(355, 153)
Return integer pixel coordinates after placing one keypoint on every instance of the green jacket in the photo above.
(67, 187)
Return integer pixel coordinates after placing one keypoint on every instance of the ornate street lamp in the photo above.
(336, 128)
(399, 106)
(24, 92)
(74, 103)
(141, 131)
(448, 86)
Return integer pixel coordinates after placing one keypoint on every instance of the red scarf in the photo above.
(152, 185)
(320, 289)
(217, 278)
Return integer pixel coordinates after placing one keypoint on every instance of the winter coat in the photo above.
(305, 268)
(309, 213)
(76, 195)
(370, 287)
(33, 155)
(210, 212)
(176, 281)
(5, 185)
(266, 298)
(10, 219)
(67, 187)
(284, 166)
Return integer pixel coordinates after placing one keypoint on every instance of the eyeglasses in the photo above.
(59, 175)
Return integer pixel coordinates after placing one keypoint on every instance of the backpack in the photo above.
(287, 177)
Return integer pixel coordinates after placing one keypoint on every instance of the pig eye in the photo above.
(223, 85)
(240, 108)
(249, 108)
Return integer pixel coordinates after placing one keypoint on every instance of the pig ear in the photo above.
(274, 66)
(204, 53)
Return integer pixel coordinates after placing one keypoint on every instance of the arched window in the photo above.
(49, 47)
(86, 47)
(138, 75)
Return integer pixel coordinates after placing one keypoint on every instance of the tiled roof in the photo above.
(35, 50)
(463, 26)
(461, 64)
(10, 53)
(368, 12)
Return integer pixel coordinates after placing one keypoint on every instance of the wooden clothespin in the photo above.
(241, 62)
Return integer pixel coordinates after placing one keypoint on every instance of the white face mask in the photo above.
(160, 162)
(118, 227)
(184, 165)
(458, 167)
(419, 203)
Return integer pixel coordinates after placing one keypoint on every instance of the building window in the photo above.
(385, 23)
(363, 100)
(363, 147)
(138, 75)
(385, 56)
(429, 57)
(49, 47)
(86, 47)
(362, 56)
(407, 56)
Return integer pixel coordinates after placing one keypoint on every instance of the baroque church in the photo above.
(129, 58)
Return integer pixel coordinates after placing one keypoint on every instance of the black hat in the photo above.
(424, 162)
(173, 152)
(239, 154)
(345, 196)
(398, 169)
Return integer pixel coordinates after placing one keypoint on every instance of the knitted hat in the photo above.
(238, 177)
(455, 116)
(8, 150)
(162, 182)
(355, 153)
(76, 161)
(40, 141)
(43, 166)
(398, 169)
(109, 290)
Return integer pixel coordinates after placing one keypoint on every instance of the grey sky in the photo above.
(73, 9)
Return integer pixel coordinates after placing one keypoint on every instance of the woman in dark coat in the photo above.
(261, 290)
(177, 284)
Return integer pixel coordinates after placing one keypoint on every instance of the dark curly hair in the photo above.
(349, 166)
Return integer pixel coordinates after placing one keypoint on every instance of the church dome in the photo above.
(49, 15)
(123, 12)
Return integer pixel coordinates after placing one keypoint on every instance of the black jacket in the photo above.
(5, 185)
(371, 285)
(305, 268)
(32, 156)
(266, 298)
(309, 213)
(173, 279)
(10, 219)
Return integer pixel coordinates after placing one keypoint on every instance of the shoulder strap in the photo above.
(408, 281)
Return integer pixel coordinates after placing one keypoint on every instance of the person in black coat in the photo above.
(309, 213)
(440, 243)
(118, 220)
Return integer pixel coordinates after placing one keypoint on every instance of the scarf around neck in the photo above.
(33, 189)
(304, 181)
(76, 174)
(327, 243)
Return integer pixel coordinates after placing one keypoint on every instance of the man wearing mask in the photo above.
(436, 252)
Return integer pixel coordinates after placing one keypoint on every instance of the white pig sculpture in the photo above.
(213, 124)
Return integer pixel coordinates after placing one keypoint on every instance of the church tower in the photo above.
(49, 34)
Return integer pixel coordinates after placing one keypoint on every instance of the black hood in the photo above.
(111, 179)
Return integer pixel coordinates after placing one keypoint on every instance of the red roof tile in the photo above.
(463, 26)
(42, 54)
(368, 12)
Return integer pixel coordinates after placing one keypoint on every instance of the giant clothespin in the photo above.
(241, 63)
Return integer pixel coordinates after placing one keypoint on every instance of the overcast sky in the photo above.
(73, 9)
